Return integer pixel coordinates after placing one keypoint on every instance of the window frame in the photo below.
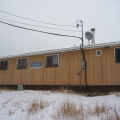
(46, 61)
(100, 52)
(26, 65)
(115, 54)
(7, 64)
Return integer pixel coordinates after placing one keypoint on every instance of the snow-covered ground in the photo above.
(19, 105)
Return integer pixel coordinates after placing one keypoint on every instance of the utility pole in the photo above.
(79, 23)
(83, 62)
(82, 32)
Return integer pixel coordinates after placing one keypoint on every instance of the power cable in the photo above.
(39, 31)
(82, 50)
(35, 20)
(38, 26)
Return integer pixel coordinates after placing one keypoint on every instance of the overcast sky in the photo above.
(103, 15)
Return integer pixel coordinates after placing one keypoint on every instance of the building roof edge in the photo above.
(63, 50)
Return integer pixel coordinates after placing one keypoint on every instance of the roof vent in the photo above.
(93, 33)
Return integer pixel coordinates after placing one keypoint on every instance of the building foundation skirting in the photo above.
(76, 88)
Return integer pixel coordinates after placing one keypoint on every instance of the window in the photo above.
(52, 60)
(117, 55)
(4, 65)
(22, 63)
(98, 53)
(36, 65)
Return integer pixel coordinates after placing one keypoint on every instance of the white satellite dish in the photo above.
(88, 35)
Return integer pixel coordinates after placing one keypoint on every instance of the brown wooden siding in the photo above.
(101, 70)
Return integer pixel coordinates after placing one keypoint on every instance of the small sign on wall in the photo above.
(36, 65)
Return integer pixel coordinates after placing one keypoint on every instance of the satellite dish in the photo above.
(88, 35)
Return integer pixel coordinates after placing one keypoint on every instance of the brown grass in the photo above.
(104, 113)
(74, 111)
(99, 109)
(69, 110)
(62, 90)
(4, 88)
(37, 106)
(117, 94)
(117, 117)
(65, 90)
(10, 112)
(112, 115)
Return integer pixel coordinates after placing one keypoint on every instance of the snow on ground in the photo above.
(15, 105)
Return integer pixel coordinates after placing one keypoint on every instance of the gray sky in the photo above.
(103, 15)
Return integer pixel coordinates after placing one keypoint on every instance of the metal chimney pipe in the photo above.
(93, 33)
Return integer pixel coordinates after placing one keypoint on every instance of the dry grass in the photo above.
(116, 114)
(104, 113)
(33, 108)
(111, 115)
(65, 90)
(117, 94)
(74, 111)
(62, 90)
(10, 112)
(91, 94)
(99, 109)
(69, 110)
(37, 106)
(4, 88)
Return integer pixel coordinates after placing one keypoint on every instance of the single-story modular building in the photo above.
(64, 66)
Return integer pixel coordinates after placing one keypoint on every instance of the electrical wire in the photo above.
(38, 26)
(82, 50)
(34, 20)
(38, 30)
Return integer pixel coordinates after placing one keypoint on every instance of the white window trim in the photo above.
(114, 53)
(23, 58)
(100, 52)
(116, 48)
(8, 62)
(52, 55)
(4, 60)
